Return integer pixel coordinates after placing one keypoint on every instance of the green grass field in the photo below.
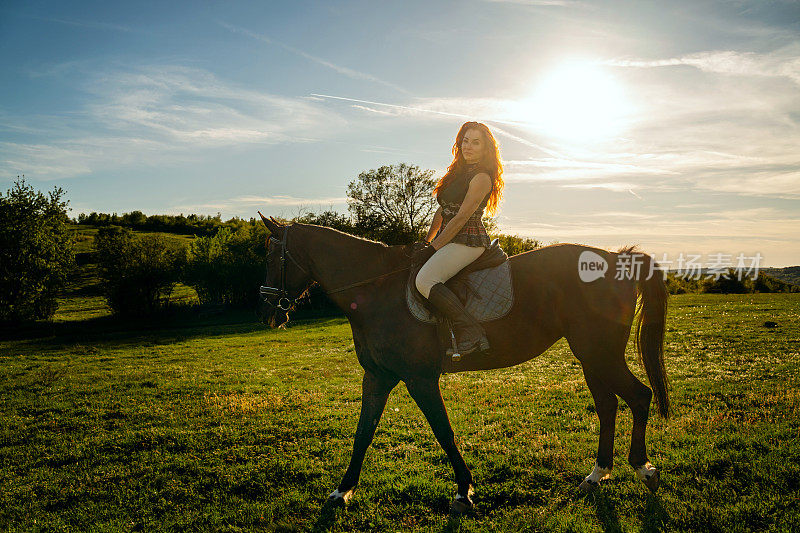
(222, 425)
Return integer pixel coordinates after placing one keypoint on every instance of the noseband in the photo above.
(284, 303)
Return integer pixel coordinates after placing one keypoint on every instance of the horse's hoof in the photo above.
(340, 498)
(592, 482)
(649, 475)
(653, 481)
(462, 504)
(587, 486)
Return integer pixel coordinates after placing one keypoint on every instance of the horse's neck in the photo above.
(337, 259)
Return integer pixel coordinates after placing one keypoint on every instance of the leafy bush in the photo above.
(766, 283)
(726, 284)
(228, 267)
(36, 252)
(514, 244)
(138, 271)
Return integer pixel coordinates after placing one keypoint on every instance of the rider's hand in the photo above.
(419, 245)
(422, 252)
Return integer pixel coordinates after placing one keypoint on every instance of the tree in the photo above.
(727, 283)
(329, 219)
(139, 272)
(228, 267)
(36, 252)
(394, 203)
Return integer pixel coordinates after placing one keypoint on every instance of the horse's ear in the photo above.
(275, 228)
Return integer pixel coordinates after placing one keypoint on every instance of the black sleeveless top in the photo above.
(473, 233)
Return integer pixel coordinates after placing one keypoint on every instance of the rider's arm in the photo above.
(479, 187)
(437, 221)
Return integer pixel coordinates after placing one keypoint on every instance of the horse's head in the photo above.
(287, 279)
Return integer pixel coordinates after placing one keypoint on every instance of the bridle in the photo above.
(284, 303)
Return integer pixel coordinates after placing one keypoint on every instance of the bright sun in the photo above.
(577, 102)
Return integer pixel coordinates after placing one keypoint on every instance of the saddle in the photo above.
(484, 288)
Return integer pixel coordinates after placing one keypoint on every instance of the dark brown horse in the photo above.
(367, 279)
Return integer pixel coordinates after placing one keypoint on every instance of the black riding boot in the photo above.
(474, 338)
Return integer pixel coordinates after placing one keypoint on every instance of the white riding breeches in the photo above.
(444, 264)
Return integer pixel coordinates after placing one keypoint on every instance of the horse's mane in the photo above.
(629, 249)
(390, 255)
(343, 234)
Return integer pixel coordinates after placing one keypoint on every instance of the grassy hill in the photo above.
(786, 274)
(85, 235)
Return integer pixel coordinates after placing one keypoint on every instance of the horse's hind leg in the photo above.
(601, 351)
(605, 403)
(374, 393)
(428, 397)
(638, 397)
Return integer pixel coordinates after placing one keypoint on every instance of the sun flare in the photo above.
(577, 102)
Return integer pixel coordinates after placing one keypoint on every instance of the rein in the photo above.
(364, 282)
(284, 302)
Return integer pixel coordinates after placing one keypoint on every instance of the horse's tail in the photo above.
(651, 309)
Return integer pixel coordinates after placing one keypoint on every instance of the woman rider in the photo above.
(473, 182)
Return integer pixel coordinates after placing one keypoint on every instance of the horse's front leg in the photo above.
(428, 397)
(374, 393)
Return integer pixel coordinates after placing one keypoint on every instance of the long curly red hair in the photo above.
(491, 162)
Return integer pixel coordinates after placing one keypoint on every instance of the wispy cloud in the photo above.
(728, 125)
(355, 74)
(157, 113)
(747, 224)
(542, 3)
(490, 110)
(90, 24)
(784, 62)
(398, 110)
(594, 167)
(287, 200)
(43, 160)
(611, 186)
(192, 105)
(681, 141)
(373, 110)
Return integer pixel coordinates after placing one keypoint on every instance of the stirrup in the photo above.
(481, 346)
(456, 356)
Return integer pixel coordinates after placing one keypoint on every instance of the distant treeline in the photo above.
(728, 284)
(139, 271)
(208, 226)
(201, 225)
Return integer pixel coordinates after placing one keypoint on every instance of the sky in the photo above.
(672, 125)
